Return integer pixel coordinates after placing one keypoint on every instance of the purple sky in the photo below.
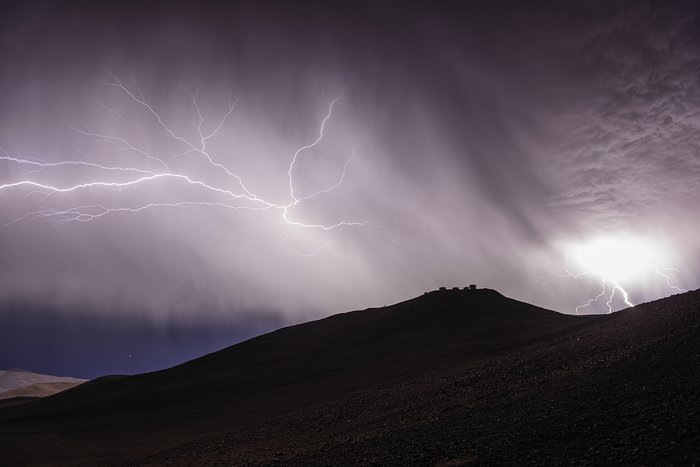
(475, 145)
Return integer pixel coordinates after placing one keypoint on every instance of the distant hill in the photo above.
(447, 378)
(22, 383)
(38, 390)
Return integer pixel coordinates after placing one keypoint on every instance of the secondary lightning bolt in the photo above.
(308, 146)
(659, 270)
(592, 300)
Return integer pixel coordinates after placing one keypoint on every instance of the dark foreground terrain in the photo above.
(449, 378)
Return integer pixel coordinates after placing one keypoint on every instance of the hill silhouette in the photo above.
(14, 379)
(453, 377)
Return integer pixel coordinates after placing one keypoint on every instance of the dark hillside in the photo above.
(622, 390)
(449, 375)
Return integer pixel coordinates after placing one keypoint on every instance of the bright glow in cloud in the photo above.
(614, 258)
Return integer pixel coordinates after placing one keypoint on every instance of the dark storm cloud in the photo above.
(484, 136)
(631, 141)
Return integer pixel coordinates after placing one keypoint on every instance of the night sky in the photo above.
(177, 177)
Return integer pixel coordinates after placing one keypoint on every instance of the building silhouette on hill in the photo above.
(468, 288)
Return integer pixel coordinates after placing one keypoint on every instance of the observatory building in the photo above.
(453, 289)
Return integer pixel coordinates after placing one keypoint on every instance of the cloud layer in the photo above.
(479, 141)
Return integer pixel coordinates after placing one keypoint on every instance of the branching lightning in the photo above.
(612, 261)
(156, 169)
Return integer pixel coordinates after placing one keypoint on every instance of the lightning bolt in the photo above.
(593, 300)
(609, 292)
(156, 169)
(307, 147)
(659, 270)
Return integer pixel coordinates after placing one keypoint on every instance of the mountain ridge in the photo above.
(298, 369)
